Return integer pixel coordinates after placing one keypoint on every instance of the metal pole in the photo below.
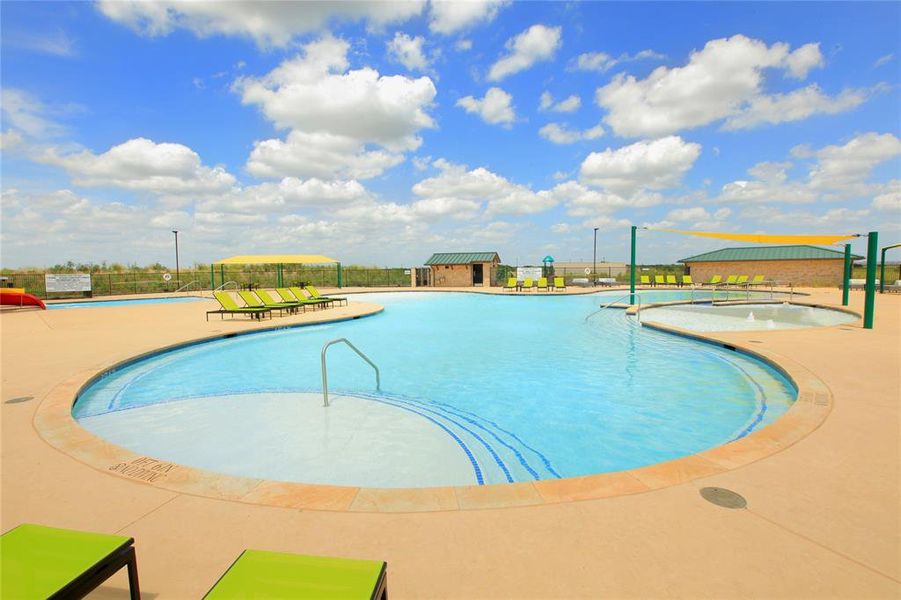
(882, 272)
(846, 280)
(870, 298)
(594, 260)
(632, 270)
(221, 274)
(177, 276)
(212, 277)
(340, 276)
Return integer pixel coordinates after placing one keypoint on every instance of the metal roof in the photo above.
(276, 259)
(769, 253)
(461, 258)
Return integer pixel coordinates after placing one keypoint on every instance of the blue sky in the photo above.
(382, 132)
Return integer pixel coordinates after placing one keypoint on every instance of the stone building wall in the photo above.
(822, 272)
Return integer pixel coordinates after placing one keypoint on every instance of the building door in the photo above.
(477, 276)
(422, 276)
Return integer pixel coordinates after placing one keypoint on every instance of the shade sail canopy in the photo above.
(276, 259)
(764, 238)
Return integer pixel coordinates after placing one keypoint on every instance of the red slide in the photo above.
(17, 298)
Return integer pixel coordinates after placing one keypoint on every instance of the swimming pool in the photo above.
(746, 317)
(110, 303)
(475, 389)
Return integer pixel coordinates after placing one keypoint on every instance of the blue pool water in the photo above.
(475, 389)
(109, 303)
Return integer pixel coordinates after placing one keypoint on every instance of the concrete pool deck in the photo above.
(822, 517)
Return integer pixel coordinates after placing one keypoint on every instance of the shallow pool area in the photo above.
(475, 389)
(112, 303)
(746, 317)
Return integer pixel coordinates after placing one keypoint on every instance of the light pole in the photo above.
(594, 260)
(177, 276)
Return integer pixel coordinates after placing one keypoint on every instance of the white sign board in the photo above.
(527, 272)
(167, 277)
(67, 283)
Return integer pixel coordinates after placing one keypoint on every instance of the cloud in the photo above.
(495, 107)
(883, 60)
(267, 23)
(141, 164)
(537, 43)
(559, 133)
(9, 140)
(654, 164)
(408, 51)
(452, 16)
(602, 62)
(336, 112)
(56, 43)
(724, 80)
(697, 217)
(852, 163)
(28, 114)
(481, 185)
(890, 201)
(287, 196)
(581, 201)
(569, 104)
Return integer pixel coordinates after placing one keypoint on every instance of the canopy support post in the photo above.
(340, 276)
(632, 270)
(212, 277)
(221, 274)
(882, 272)
(846, 278)
(870, 299)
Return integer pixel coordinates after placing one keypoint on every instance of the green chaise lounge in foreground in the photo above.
(559, 283)
(511, 284)
(46, 562)
(317, 296)
(287, 296)
(254, 301)
(260, 574)
(268, 300)
(644, 279)
(301, 295)
(542, 284)
(230, 307)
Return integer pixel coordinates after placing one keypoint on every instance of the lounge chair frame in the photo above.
(255, 313)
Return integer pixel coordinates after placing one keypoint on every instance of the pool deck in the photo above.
(822, 517)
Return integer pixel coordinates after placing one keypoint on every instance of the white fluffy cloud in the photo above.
(496, 107)
(537, 43)
(408, 51)
(559, 133)
(652, 165)
(267, 23)
(697, 217)
(569, 104)
(854, 161)
(602, 62)
(581, 201)
(26, 113)
(141, 164)
(889, 201)
(481, 185)
(451, 16)
(337, 113)
(724, 80)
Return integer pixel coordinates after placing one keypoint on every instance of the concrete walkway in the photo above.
(822, 517)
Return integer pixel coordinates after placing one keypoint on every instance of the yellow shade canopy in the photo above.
(276, 259)
(764, 238)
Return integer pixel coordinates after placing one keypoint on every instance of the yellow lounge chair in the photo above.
(528, 283)
(742, 279)
(658, 280)
(731, 279)
(542, 284)
(686, 280)
(758, 279)
(511, 284)
(645, 279)
(559, 283)
(715, 280)
(671, 280)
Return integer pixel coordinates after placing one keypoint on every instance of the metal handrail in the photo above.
(378, 379)
(185, 286)
(615, 300)
(222, 287)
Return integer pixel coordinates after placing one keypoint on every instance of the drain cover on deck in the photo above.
(723, 497)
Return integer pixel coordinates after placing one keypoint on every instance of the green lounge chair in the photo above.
(301, 295)
(46, 562)
(230, 307)
(730, 280)
(542, 284)
(715, 280)
(658, 280)
(528, 283)
(269, 301)
(645, 279)
(511, 284)
(287, 296)
(758, 280)
(254, 301)
(260, 574)
(742, 279)
(317, 296)
(559, 283)
(686, 280)
(671, 280)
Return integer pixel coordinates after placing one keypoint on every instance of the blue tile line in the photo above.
(761, 403)
(494, 455)
(542, 457)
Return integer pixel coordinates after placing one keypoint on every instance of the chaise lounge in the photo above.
(230, 307)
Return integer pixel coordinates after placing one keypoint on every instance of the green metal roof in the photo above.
(769, 253)
(461, 258)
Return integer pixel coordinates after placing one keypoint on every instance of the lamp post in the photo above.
(594, 260)
(177, 275)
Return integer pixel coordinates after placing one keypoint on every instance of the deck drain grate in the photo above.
(19, 400)
(723, 497)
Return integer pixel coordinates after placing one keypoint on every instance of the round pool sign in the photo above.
(167, 277)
